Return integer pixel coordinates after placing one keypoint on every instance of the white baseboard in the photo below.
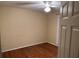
(13, 49)
(53, 44)
(27, 46)
(21, 47)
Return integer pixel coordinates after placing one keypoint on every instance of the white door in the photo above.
(69, 30)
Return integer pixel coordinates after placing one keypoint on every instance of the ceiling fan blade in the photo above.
(33, 5)
(53, 6)
(25, 3)
(55, 3)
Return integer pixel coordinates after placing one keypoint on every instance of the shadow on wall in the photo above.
(0, 46)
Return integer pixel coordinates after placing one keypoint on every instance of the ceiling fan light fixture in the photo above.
(47, 9)
(47, 4)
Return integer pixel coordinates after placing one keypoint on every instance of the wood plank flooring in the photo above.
(44, 50)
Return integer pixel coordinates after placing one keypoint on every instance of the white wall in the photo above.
(22, 27)
(0, 28)
(52, 28)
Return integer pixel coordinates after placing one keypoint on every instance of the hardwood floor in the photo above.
(44, 50)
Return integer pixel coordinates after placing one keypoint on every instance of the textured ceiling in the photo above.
(33, 5)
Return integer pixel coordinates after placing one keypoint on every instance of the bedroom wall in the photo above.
(22, 28)
(52, 28)
(0, 33)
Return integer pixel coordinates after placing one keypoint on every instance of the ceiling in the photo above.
(33, 5)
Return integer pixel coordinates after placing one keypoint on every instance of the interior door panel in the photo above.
(69, 34)
(63, 40)
(74, 48)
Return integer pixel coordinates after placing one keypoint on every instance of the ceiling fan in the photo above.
(48, 6)
(45, 5)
